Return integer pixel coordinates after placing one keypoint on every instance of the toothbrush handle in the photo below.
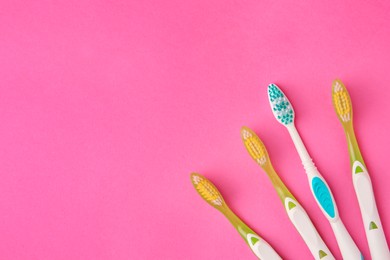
(324, 198)
(371, 220)
(347, 246)
(325, 201)
(306, 229)
(264, 251)
(259, 246)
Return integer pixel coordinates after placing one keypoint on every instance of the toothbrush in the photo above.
(212, 196)
(361, 179)
(284, 114)
(294, 210)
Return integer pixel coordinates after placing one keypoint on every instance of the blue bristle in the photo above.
(280, 104)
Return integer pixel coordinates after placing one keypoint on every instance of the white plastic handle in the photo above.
(325, 200)
(347, 246)
(372, 224)
(306, 229)
(262, 249)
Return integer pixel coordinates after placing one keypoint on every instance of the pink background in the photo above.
(106, 107)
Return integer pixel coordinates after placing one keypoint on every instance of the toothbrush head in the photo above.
(341, 101)
(254, 146)
(280, 105)
(207, 190)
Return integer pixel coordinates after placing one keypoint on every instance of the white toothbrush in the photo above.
(284, 114)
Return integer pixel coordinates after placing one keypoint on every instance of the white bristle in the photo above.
(337, 87)
(217, 202)
(262, 160)
(196, 179)
(246, 134)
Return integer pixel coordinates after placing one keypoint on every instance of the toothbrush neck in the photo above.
(353, 147)
(241, 227)
(307, 162)
(231, 216)
(280, 187)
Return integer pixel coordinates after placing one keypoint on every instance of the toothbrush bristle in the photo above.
(342, 101)
(206, 189)
(280, 105)
(254, 146)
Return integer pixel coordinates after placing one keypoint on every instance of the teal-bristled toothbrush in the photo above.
(284, 114)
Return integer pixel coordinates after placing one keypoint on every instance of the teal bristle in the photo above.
(281, 107)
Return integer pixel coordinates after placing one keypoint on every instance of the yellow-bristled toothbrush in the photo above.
(212, 196)
(294, 210)
(284, 114)
(361, 179)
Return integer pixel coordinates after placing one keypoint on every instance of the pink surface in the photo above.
(108, 106)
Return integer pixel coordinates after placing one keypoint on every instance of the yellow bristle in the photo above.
(207, 190)
(342, 104)
(342, 101)
(254, 146)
